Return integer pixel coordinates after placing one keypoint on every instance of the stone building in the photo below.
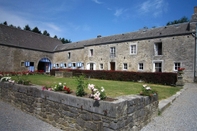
(162, 49)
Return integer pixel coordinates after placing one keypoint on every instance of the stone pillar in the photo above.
(180, 79)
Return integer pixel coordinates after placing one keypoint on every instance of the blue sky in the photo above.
(85, 19)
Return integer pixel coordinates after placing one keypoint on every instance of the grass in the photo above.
(112, 88)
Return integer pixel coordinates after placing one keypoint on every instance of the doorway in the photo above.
(112, 66)
(44, 65)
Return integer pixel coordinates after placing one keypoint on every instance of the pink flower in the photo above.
(49, 89)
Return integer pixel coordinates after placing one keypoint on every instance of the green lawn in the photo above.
(112, 88)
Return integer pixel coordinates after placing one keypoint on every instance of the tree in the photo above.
(46, 33)
(5, 23)
(36, 30)
(181, 20)
(64, 41)
(55, 37)
(27, 28)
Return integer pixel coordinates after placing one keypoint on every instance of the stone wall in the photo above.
(174, 49)
(72, 113)
(11, 58)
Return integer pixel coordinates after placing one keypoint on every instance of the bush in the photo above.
(81, 85)
(149, 77)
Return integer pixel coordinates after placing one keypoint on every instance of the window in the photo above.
(57, 65)
(69, 55)
(133, 49)
(158, 66)
(91, 66)
(64, 64)
(158, 48)
(112, 52)
(22, 63)
(101, 66)
(177, 65)
(140, 66)
(73, 64)
(125, 66)
(91, 52)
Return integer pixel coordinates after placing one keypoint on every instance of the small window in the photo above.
(125, 66)
(158, 48)
(140, 66)
(177, 65)
(112, 52)
(91, 66)
(65, 65)
(133, 49)
(101, 66)
(69, 55)
(158, 67)
(91, 52)
(22, 64)
(73, 64)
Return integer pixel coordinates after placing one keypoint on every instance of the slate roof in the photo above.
(26, 39)
(11, 36)
(166, 31)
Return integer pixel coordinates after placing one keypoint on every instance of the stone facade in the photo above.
(73, 113)
(174, 49)
(162, 49)
(13, 59)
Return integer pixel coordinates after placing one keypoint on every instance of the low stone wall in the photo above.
(72, 113)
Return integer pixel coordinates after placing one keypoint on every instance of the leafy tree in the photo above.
(5, 23)
(27, 28)
(36, 30)
(181, 20)
(46, 33)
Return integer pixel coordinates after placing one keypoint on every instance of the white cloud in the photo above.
(13, 18)
(120, 12)
(155, 7)
(53, 27)
(96, 1)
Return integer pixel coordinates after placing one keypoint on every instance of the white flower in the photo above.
(102, 89)
(144, 86)
(97, 95)
(60, 83)
(90, 86)
(95, 89)
(148, 88)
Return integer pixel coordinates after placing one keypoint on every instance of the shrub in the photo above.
(81, 85)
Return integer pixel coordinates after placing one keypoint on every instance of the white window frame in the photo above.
(113, 51)
(159, 61)
(139, 66)
(125, 66)
(175, 66)
(133, 49)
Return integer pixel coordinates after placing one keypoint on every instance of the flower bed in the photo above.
(71, 112)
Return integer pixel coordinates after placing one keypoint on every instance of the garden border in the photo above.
(70, 112)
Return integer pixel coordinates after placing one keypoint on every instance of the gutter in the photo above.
(195, 57)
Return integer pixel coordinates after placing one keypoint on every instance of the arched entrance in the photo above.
(44, 65)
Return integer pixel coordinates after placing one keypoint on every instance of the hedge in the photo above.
(166, 78)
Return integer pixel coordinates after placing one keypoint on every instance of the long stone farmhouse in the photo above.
(162, 49)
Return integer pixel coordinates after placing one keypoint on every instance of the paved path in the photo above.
(180, 116)
(13, 119)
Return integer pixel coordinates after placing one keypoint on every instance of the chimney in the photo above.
(195, 10)
(194, 16)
